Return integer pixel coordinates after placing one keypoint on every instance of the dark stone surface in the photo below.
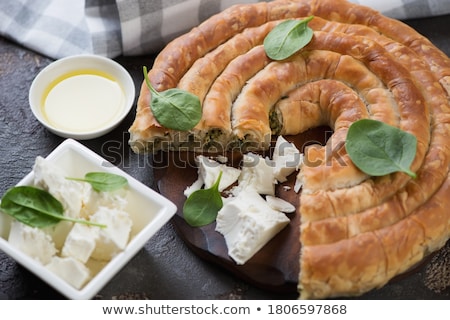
(165, 268)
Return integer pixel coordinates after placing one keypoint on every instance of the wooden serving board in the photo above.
(276, 266)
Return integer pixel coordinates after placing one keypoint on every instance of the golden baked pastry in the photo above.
(357, 231)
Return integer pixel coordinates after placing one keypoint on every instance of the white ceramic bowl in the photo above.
(59, 68)
(148, 209)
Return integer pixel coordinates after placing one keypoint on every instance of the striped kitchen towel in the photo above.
(59, 28)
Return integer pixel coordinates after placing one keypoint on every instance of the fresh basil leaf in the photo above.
(103, 181)
(35, 207)
(174, 108)
(202, 206)
(287, 38)
(377, 148)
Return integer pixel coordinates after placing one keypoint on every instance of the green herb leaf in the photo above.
(36, 207)
(103, 181)
(202, 206)
(174, 108)
(378, 149)
(287, 38)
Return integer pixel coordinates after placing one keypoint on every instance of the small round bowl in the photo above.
(70, 65)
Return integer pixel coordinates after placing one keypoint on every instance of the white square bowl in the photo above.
(148, 209)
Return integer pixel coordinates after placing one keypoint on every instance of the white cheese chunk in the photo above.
(32, 241)
(298, 183)
(197, 185)
(209, 169)
(71, 194)
(222, 159)
(80, 242)
(59, 232)
(257, 174)
(114, 237)
(247, 224)
(280, 204)
(111, 199)
(70, 270)
(287, 159)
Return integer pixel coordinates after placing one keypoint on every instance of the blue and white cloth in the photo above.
(59, 28)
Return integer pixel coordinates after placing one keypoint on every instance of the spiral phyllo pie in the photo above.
(357, 231)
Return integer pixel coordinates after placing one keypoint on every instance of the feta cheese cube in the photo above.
(114, 237)
(248, 223)
(80, 242)
(32, 241)
(59, 232)
(111, 199)
(71, 194)
(70, 270)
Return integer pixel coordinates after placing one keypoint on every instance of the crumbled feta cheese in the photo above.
(32, 241)
(298, 183)
(70, 270)
(248, 223)
(197, 185)
(280, 204)
(257, 174)
(246, 220)
(222, 159)
(287, 159)
(209, 170)
(114, 237)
